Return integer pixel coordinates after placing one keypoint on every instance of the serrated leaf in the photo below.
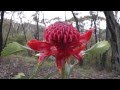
(19, 76)
(98, 48)
(12, 48)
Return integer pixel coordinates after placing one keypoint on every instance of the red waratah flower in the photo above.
(62, 40)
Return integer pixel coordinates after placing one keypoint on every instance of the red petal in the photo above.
(76, 52)
(46, 54)
(38, 45)
(78, 57)
(82, 47)
(86, 36)
(41, 57)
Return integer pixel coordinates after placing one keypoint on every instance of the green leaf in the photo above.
(12, 48)
(26, 47)
(98, 48)
(67, 70)
(19, 76)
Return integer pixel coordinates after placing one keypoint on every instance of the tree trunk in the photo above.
(24, 32)
(37, 31)
(8, 31)
(114, 29)
(105, 55)
(76, 20)
(65, 17)
(1, 24)
(94, 19)
(99, 34)
(43, 19)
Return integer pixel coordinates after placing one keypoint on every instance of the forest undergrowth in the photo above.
(14, 64)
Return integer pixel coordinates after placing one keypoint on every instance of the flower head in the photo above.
(62, 40)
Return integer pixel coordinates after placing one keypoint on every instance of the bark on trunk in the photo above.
(105, 55)
(37, 34)
(1, 37)
(114, 29)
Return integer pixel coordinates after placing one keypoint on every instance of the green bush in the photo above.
(95, 61)
(17, 38)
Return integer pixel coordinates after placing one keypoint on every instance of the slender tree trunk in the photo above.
(17, 30)
(94, 19)
(65, 17)
(99, 35)
(43, 18)
(77, 25)
(95, 33)
(105, 55)
(114, 29)
(37, 31)
(36, 35)
(24, 32)
(76, 20)
(1, 37)
(8, 31)
(91, 23)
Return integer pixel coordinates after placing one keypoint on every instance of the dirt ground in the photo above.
(12, 65)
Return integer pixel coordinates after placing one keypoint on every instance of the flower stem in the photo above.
(64, 73)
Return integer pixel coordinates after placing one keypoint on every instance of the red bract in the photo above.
(62, 40)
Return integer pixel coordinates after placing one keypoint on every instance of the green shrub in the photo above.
(17, 38)
(95, 61)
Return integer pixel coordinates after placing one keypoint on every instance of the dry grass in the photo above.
(12, 65)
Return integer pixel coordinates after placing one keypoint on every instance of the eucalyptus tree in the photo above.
(114, 39)
(1, 36)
